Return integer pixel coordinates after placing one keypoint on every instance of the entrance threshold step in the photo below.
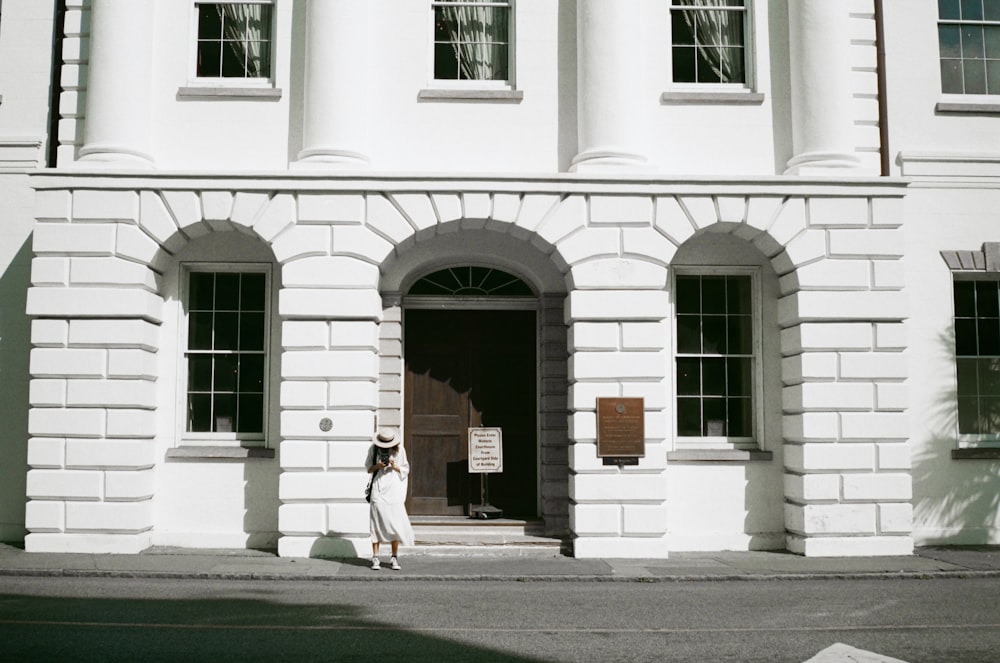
(463, 536)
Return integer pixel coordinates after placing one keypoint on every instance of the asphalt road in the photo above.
(115, 619)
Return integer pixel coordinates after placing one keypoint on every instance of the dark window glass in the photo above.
(471, 40)
(200, 413)
(688, 377)
(225, 369)
(949, 9)
(689, 417)
(987, 302)
(977, 350)
(234, 40)
(989, 336)
(965, 299)
(713, 379)
(689, 334)
(201, 292)
(200, 373)
(252, 331)
(966, 344)
(969, 46)
(250, 418)
(972, 10)
(226, 355)
(688, 295)
(708, 44)
(200, 330)
(713, 329)
(715, 346)
(713, 294)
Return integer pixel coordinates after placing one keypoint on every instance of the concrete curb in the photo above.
(486, 577)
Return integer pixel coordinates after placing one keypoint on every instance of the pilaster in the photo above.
(336, 82)
(612, 123)
(820, 56)
(117, 131)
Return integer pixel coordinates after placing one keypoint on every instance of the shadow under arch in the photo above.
(749, 500)
(472, 246)
(545, 368)
(215, 492)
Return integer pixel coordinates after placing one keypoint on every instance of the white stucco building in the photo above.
(236, 237)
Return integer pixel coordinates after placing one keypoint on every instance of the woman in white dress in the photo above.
(389, 521)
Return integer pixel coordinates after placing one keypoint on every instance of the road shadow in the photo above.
(226, 629)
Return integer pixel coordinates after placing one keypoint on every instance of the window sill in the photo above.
(719, 455)
(690, 97)
(219, 453)
(445, 94)
(987, 105)
(262, 93)
(976, 453)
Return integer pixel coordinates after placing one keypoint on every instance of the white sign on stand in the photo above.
(485, 450)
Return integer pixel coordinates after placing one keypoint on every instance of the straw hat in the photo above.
(386, 438)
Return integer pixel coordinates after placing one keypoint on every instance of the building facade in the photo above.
(243, 235)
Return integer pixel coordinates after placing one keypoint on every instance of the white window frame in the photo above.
(194, 80)
(201, 438)
(753, 442)
(749, 56)
(476, 84)
(969, 440)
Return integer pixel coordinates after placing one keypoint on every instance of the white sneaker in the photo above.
(376, 565)
(394, 564)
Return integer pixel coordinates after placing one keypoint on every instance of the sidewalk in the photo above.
(929, 562)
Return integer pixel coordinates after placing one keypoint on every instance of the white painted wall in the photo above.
(25, 57)
(955, 501)
(537, 134)
(914, 91)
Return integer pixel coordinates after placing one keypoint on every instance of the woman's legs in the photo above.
(395, 548)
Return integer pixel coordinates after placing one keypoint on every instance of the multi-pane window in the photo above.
(226, 353)
(977, 356)
(472, 40)
(969, 39)
(715, 356)
(234, 40)
(708, 39)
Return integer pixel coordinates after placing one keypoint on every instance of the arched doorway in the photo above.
(470, 349)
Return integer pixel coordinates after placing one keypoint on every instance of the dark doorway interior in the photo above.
(467, 368)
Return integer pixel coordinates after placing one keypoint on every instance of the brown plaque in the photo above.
(620, 427)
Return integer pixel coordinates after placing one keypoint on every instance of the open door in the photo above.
(467, 368)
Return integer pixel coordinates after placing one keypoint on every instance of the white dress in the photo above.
(389, 521)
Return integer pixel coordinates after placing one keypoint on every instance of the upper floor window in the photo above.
(969, 40)
(234, 40)
(716, 357)
(472, 40)
(977, 357)
(709, 41)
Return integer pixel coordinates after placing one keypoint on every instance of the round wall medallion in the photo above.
(325, 424)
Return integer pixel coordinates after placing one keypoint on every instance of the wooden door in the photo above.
(469, 368)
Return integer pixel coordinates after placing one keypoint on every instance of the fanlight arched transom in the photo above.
(469, 281)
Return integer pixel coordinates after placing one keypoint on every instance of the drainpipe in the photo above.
(55, 82)
(883, 111)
